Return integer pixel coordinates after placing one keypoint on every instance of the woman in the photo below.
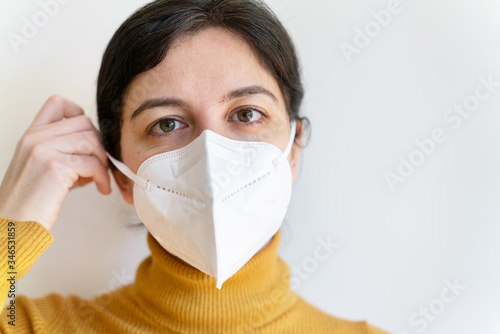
(198, 105)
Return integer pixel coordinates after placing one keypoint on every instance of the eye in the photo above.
(165, 126)
(246, 115)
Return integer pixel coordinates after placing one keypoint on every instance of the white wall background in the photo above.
(396, 248)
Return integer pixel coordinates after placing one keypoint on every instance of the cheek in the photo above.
(130, 151)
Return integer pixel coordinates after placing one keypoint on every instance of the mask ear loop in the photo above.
(292, 138)
(125, 170)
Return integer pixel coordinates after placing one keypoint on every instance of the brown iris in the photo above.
(167, 125)
(245, 115)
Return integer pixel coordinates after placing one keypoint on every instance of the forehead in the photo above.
(202, 66)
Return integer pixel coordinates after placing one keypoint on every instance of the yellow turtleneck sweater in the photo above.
(167, 296)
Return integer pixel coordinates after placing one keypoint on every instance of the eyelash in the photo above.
(252, 124)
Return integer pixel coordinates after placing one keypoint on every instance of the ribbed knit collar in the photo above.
(186, 300)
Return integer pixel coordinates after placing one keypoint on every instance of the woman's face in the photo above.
(211, 80)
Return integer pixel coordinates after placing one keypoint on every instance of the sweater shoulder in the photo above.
(55, 313)
(314, 320)
(44, 315)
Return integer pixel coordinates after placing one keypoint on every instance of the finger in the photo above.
(67, 126)
(81, 182)
(90, 167)
(80, 143)
(55, 109)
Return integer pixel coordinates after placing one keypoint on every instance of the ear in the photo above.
(125, 184)
(294, 156)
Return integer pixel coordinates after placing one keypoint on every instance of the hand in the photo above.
(60, 150)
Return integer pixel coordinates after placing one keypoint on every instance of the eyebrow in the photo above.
(167, 102)
(247, 91)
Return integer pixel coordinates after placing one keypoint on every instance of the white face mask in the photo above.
(214, 202)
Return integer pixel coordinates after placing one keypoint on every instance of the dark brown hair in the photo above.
(143, 40)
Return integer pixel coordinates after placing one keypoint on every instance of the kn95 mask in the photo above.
(214, 202)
